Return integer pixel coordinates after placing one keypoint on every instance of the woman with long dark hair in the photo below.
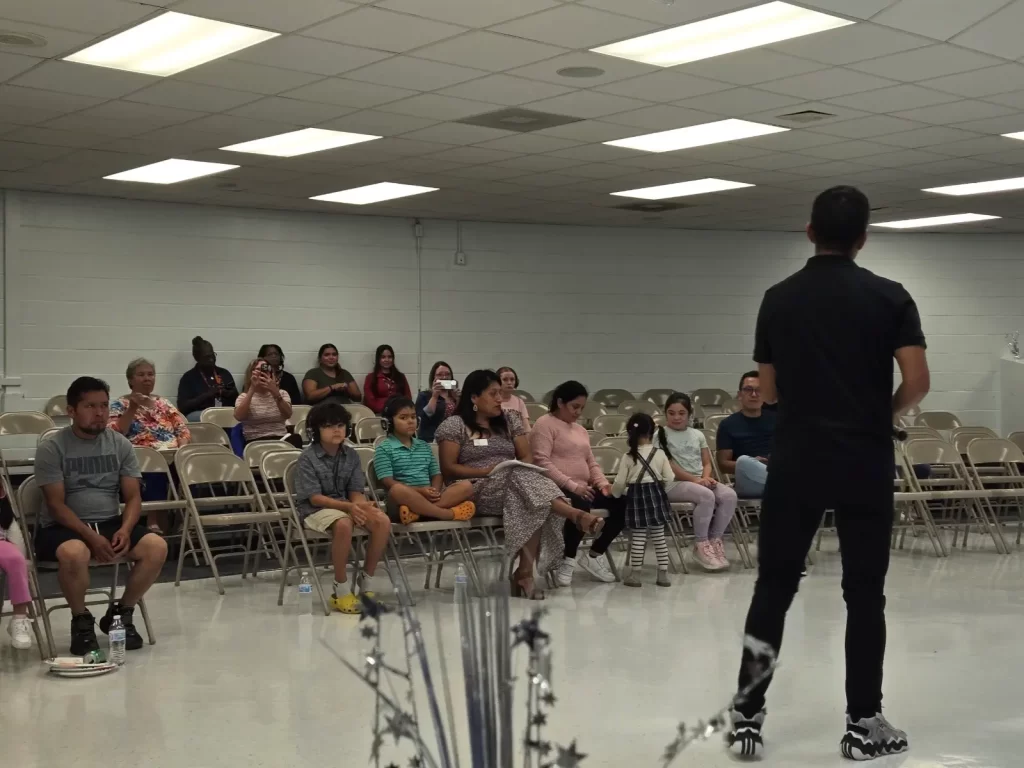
(329, 382)
(275, 358)
(384, 381)
(438, 402)
(473, 443)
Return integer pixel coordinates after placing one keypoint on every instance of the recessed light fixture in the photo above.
(935, 221)
(682, 189)
(697, 136)
(980, 187)
(374, 193)
(171, 171)
(580, 72)
(21, 39)
(170, 43)
(737, 31)
(1017, 135)
(300, 142)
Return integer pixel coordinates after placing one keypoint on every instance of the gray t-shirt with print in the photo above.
(91, 471)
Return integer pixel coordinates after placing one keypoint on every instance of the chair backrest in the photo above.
(56, 407)
(657, 396)
(274, 464)
(731, 405)
(365, 454)
(610, 424)
(30, 504)
(151, 460)
(629, 407)
(187, 450)
(621, 444)
(930, 450)
(705, 412)
(607, 458)
(921, 432)
(208, 433)
(254, 452)
(523, 395)
(48, 434)
(709, 396)
(961, 436)
(368, 430)
(300, 430)
(547, 397)
(711, 436)
(300, 413)
(591, 411)
(994, 450)
(358, 412)
(610, 398)
(25, 423)
(711, 422)
(213, 467)
(1017, 438)
(595, 437)
(937, 420)
(222, 417)
(535, 411)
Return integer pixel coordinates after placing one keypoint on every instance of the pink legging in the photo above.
(713, 507)
(13, 564)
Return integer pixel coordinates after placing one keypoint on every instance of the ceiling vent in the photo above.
(519, 120)
(807, 116)
(21, 39)
(653, 206)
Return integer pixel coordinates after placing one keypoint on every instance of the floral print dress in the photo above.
(159, 425)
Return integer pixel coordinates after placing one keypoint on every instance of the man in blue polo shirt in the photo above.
(745, 440)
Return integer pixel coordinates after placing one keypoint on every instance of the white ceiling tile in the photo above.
(483, 172)
(107, 127)
(15, 156)
(456, 133)
(97, 16)
(504, 89)
(235, 129)
(574, 26)
(592, 130)
(528, 143)
(965, 164)
(587, 104)
(377, 123)
(826, 84)
(348, 93)
(279, 16)
(614, 69)
(901, 158)
(868, 127)
(970, 147)
(82, 79)
(856, 42)
(204, 98)
(940, 19)
(956, 112)
(278, 109)
(846, 150)
(926, 137)
(306, 54)
(152, 114)
(927, 63)
(981, 82)
(388, 31)
(439, 107)
(791, 141)
(12, 64)
(674, 13)
(489, 51)
(999, 34)
(472, 155)
(862, 9)
(779, 160)
(664, 86)
(1015, 99)
(662, 117)
(834, 168)
(243, 76)
(537, 163)
(995, 125)
(469, 13)
(738, 102)
(411, 72)
(897, 97)
(58, 41)
(593, 170)
(545, 180)
(40, 135)
(14, 98)
(750, 67)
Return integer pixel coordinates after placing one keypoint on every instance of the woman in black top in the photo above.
(272, 354)
(437, 403)
(205, 385)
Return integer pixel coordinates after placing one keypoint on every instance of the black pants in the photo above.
(788, 527)
(613, 525)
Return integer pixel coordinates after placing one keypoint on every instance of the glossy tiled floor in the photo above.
(237, 681)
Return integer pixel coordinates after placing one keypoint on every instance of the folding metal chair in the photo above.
(369, 429)
(25, 423)
(610, 398)
(358, 412)
(18, 534)
(961, 436)
(223, 417)
(535, 411)
(658, 396)
(523, 395)
(590, 413)
(709, 396)
(711, 422)
(621, 444)
(628, 407)
(1004, 492)
(299, 413)
(941, 420)
(595, 437)
(610, 424)
(205, 432)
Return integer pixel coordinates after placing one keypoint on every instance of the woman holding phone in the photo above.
(263, 407)
(437, 403)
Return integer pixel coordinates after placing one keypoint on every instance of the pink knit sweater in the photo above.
(564, 450)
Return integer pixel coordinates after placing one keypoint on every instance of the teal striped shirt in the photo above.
(413, 466)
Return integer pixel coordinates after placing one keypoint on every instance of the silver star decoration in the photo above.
(368, 631)
(569, 758)
(399, 725)
(378, 742)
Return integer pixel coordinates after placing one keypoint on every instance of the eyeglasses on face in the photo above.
(751, 391)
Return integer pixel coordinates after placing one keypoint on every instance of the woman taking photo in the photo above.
(263, 408)
(510, 402)
(472, 443)
(562, 447)
(275, 357)
(329, 382)
(384, 381)
(206, 385)
(438, 403)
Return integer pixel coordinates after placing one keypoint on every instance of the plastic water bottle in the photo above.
(305, 595)
(116, 637)
(461, 584)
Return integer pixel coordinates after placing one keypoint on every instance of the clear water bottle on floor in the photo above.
(305, 595)
(116, 637)
(461, 584)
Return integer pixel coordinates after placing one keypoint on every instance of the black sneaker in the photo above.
(872, 737)
(744, 738)
(83, 634)
(132, 638)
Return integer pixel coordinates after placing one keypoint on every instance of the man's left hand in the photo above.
(121, 542)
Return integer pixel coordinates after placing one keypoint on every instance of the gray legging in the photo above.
(714, 507)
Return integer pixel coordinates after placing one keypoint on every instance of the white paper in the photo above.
(517, 463)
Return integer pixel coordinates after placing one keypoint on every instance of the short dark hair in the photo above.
(82, 386)
(391, 409)
(839, 217)
(326, 415)
(748, 375)
(566, 391)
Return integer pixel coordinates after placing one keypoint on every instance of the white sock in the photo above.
(340, 588)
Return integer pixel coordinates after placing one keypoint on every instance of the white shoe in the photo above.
(719, 547)
(596, 567)
(564, 572)
(705, 556)
(20, 630)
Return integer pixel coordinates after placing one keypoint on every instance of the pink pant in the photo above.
(713, 507)
(13, 564)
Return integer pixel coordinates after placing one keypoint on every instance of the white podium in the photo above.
(1011, 389)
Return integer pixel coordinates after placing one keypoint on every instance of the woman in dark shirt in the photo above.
(329, 382)
(272, 354)
(438, 403)
(205, 385)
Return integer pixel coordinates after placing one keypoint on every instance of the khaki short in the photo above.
(322, 520)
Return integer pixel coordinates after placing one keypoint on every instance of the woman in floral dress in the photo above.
(475, 440)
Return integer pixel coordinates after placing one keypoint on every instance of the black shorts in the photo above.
(50, 537)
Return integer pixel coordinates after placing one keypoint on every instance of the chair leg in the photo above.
(208, 554)
(284, 563)
(185, 534)
(402, 576)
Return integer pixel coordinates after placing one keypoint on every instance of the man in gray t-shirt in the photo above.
(84, 472)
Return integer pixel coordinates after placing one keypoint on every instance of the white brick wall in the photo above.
(95, 282)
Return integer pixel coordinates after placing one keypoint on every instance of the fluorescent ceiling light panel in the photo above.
(1017, 135)
(170, 43)
(980, 187)
(171, 171)
(696, 136)
(374, 193)
(935, 221)
(682, 189)
(300, 142)
(737, 31)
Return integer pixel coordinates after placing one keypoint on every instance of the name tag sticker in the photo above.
(480, 442)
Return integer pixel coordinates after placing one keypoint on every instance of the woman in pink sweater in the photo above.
(562, 447)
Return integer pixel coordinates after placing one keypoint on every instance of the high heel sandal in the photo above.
(525, 587)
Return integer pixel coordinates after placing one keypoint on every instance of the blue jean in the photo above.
(751, 475)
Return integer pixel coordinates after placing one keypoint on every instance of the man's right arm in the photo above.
(916, 378)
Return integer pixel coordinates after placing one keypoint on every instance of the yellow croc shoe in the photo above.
(407, 516)
(347, 603)
(464, 511)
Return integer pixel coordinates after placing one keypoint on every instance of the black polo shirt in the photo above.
(830, 331)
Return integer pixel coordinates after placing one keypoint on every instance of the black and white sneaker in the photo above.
(872, 737)
(83, 634)
(744, 738)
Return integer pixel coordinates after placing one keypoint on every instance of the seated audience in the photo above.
(408, 470)
(263, 408)
(149, 421)
(745, 439)
(510, 402)
(329, 492)
(439, 403)
(384, 381)
(275, 357)
(205, 385)
(562, 447)
(84, 471)
(329, 382)
(14, 567)
(714, 503)
(473, 442)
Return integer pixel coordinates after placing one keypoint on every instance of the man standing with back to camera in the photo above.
(825, 341)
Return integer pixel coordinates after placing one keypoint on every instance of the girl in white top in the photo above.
(714, 503)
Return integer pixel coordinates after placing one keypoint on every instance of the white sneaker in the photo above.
(705, 556)
(596, 567)
(564, 572)
(20, 630)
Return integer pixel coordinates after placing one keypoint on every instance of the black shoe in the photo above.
(743, 739)
(132, 638)
(83, 635)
